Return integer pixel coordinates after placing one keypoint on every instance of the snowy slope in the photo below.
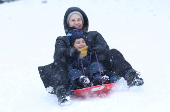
(138, 29)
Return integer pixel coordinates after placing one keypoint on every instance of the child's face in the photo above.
(79, 43)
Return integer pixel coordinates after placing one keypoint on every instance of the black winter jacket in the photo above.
(94, 40)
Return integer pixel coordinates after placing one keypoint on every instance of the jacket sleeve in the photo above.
(60, 47)
(98, 43)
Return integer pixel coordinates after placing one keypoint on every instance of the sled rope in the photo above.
(82, 67)
(99, 66)
(78, 65)
(82, 63)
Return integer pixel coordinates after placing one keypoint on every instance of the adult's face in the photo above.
(75, 21)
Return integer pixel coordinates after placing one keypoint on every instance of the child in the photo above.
(83, 69)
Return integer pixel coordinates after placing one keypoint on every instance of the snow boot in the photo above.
(113, 78)
(133, 79)
(83, 82)
(105, 79)
(97, 79)
(63, 97)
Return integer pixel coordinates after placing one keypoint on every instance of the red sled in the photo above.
(90, 91)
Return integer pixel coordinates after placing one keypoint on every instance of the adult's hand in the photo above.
(101, 57)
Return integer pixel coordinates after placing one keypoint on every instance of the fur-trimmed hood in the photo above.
(86, 22)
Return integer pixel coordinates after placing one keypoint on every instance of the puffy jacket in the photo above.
(94, 39)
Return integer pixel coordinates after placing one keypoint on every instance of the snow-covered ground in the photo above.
(140, 29)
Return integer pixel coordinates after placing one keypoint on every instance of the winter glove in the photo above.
(112, 79)
(98, 50)
(101, 57)
(72, 53)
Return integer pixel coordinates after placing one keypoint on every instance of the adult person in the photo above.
(55, 74)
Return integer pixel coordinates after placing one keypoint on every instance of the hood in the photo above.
(86, 22)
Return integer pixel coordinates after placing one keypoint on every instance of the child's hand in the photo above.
(72, 52)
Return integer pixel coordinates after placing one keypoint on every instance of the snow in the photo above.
(139, 29)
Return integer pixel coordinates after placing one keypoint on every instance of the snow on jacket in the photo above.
(94, 39)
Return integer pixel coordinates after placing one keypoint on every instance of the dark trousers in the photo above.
(93, 69)
(116, 63)
(56, 74)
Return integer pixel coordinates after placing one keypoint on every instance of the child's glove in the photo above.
(72, 53)
(112, 79)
